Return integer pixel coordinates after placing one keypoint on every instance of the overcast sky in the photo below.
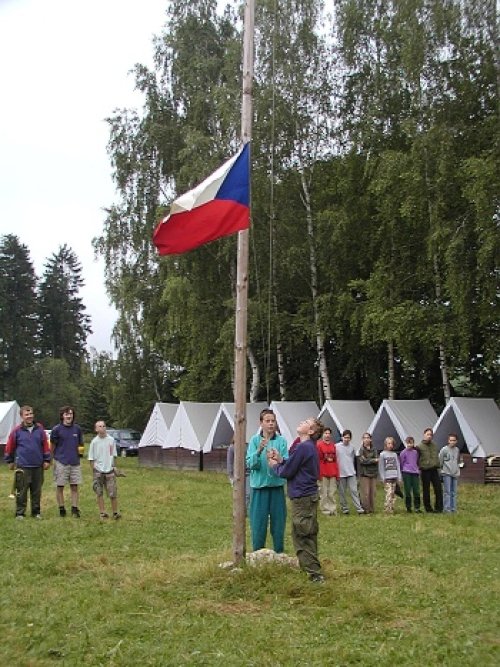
(63, 69)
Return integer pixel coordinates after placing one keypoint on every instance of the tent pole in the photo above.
(240, 342)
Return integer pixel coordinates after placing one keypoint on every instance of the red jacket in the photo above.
(327, 459)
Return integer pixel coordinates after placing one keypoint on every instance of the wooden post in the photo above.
(240, 341)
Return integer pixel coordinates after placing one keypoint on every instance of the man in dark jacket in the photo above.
(429, 472)
(27, 451)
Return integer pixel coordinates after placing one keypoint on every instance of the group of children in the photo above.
(425, 463)
(315, 467)
(29, 453)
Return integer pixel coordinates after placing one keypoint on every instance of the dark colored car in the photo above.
(127, 440)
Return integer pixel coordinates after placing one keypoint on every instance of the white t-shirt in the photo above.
(102, 452)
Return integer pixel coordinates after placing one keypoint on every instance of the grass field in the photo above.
(147, 590)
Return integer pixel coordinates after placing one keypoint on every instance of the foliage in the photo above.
(18, 324)
(374, 240)
(404, 589)
(47, 385)
(64, 324)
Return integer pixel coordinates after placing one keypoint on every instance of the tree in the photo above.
(18, 324)
(48, 384)
(63, 321)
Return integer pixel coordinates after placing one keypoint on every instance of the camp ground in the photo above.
(154, 438)
(354, 415)
(400, 419)
(290, 413)
(476, 422)
(9, 419)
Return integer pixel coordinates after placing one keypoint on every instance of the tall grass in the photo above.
(147, 590)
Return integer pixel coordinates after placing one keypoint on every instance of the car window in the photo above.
(130, 435)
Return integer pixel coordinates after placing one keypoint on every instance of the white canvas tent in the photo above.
(222, 430)
(476, 421)
(290, 413)
(191, 425)
(9, 419)
(400, 419)
(159, 423)
(354, 415)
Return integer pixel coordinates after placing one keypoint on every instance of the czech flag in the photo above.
(217, 207)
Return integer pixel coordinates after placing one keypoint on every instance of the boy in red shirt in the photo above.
(328, 473)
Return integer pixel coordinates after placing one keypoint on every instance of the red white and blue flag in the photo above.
(217, 207)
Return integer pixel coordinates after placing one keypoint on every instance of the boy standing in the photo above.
(368, 470)
(27, 450)
(102, 452)
(429, 472)
(408, 460)
(390, 473)
(302, 470)
(267, 496)
(65, 438)
(347, 473)
(449, 458)
(328, 473)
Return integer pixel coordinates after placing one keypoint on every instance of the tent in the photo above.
(476, 421)
(290, 413)
(222, 430)
(354, 415)
(156, 431)
(9, 419)
(191, 425)
(400, 419)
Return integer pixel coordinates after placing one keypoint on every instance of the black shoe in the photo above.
(419, 511)
(75, 512)
(408, 509)
(316, 578)
(62, 511)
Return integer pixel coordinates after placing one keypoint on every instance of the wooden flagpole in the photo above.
(240, 341)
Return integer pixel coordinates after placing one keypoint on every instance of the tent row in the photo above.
(205, 428)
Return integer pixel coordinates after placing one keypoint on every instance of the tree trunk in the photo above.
(442, 349)
(391, 370)
(320, 339)
(254, 386)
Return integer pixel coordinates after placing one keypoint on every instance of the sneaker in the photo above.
(62, 511)
(75, 512)
(361, 512)
(345, 511)
(19, 516)
(317, 578)
(117, 515)
(104, 515)
(37, 516)
(419, 511)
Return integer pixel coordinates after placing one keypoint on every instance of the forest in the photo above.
(374, 240)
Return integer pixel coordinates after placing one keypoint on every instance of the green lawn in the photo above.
(147, 590)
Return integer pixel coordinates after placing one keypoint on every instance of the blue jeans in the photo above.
(450, 493)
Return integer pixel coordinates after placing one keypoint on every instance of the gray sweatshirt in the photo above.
(449, 459)
(388, 466)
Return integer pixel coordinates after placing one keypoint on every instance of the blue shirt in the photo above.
(301, 470)
(66, 440)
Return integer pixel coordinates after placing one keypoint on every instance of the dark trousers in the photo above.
(411, 483)
(268, 505)
(32, 480)
(431, 476)
(305, 532)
